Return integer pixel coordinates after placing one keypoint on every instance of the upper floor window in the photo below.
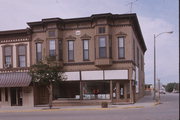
(38, 52)
(51, 33)
(138, 56)
(7, 55)
(102, 47)
(134, 50)
(52, 48)
(70, 50)
(142, 62)
(121, 47)
(85, 49)
(21, 56)
(102, 30)
(60, 50)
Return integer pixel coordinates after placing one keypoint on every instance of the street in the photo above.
(168, 110)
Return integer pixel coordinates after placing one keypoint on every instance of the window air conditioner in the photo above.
(7, 65)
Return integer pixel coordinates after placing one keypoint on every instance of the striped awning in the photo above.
(15, 79)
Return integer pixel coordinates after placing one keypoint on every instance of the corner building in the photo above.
(102, 56)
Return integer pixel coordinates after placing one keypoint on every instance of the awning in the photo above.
(15, 79)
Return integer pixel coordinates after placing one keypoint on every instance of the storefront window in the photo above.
(67, 90)
(96, 90)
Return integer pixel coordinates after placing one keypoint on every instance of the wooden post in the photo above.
(131, 92)
(81, 87)
(117, 91)
(111, 90)
(125, 91)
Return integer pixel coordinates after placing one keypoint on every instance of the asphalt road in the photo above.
(168, 110)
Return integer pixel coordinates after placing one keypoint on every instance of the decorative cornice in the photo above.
(79, 63)
(8, 70)
(121, 25)
(15, 40)
(38, 40)
(70, 37)
(121, 34)
(124, 61)
(85, 36)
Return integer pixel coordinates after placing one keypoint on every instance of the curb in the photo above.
(70, 109)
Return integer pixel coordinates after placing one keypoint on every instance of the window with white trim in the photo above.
(85, 49)
(121, 47)
(52, 48)
(70, 50)
(102, 47)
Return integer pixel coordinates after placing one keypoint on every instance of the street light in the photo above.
(155, 36)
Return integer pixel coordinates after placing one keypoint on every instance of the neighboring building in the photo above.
(14, 61)
(148, 89)
(102, 56)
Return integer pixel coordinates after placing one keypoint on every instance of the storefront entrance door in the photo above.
(118, 91)
(16, 97)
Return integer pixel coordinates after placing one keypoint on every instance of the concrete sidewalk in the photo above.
(146, 101)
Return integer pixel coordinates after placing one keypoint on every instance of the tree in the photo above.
(172, 86)
(47, 74)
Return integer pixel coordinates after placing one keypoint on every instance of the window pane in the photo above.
(51, 33)
(96, 90)
(71, 55)
(86, 49)
(70, 89)
(52, 44)
(21, 50)
(102, 42)
(71, 45)
(22, 61)
(85, 43)
(39, 47)
(8, 60)
(102, 52)
(86, 54)
(7, 51)
(60, 50)
(121, 52)
(101, 29)
(39, 56)
(121, 42)
(39, 52)
(52, 52)
(71, 50)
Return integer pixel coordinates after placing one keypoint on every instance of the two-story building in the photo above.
(102, 56)
(15, 81)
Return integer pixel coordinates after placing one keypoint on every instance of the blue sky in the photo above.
(155, 16)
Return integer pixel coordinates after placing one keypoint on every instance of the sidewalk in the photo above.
(146, 101)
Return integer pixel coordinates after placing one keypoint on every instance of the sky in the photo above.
(155, 16)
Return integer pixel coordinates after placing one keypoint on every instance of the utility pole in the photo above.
(158, 90)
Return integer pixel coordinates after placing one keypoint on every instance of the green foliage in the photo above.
(45, 74)
(171, 86)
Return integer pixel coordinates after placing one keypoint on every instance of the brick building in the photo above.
(102, 56)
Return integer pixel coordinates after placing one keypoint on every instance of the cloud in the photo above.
(166, 49)
(15, 14)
